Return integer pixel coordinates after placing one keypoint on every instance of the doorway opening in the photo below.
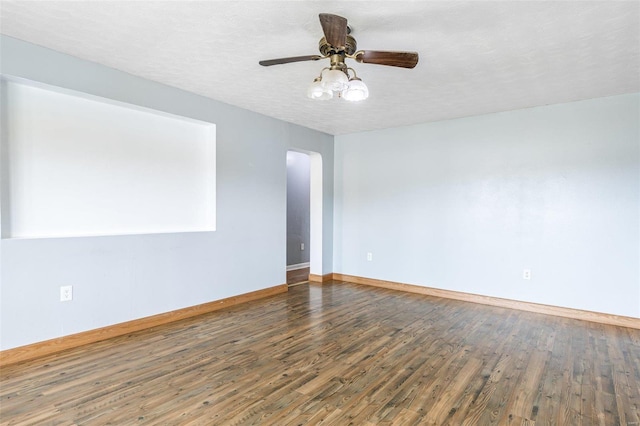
(304, 215)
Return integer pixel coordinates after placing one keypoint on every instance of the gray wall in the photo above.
(121, 278)
(298, 204)
(467, 204)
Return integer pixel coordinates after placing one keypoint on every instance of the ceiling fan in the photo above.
(338, 45)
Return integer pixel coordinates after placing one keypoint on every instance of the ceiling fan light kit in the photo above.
(338, 45)
(338, 82)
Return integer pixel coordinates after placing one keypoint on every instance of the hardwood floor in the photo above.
(297, 276)
(340, 354)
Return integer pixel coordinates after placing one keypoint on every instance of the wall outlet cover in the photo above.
(66, 293)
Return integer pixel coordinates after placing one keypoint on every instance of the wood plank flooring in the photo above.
(340, 354)
(297, 276)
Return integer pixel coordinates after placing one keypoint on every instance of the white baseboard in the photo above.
(297, 266)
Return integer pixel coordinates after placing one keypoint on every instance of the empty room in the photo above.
(320, 212)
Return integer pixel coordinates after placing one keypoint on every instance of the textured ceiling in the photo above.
(475, 57)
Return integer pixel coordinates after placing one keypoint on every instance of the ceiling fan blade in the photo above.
(278, 61)
(335, 29)
(393, 59)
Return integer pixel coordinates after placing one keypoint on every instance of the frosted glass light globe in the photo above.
(317, 91)
(357, 91)
(334, 80)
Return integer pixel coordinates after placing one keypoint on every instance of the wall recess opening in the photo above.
(74, 164)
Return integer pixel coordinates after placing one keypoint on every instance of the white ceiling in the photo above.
(475, 57)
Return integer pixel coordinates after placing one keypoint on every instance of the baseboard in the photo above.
(313, 278)
(297, 266)
(48, 347)
(602, 318)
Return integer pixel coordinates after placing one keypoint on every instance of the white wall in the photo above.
(467, 204)
(121, 278)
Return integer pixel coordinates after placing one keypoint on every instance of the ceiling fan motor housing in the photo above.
(326, 49)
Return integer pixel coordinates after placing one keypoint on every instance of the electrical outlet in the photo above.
(301, 246)
(369, 256)
(526, 274)
(66, 293)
